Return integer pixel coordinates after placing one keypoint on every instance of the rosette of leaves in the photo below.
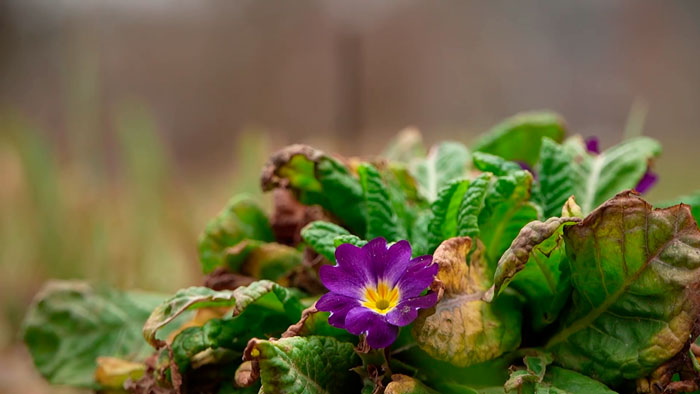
(541, 292)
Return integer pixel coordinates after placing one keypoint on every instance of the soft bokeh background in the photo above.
(126, 124)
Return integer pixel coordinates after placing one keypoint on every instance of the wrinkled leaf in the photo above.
(349, 239)
(557, 178)
(420, 241)
(241, 220)
(382, 220)
(445, 210)
(261, 319)
(593, 179)
(402, 384)
(70, 324)
(319, 179)
(464, 330)
(507, 207)
(635, 272)
(472, 204)
(320, 236)
(456, 211)
(445, 162)
(495, 164)
(230, 334)
(403, 193)
(324, 237)
(532, 265)
(308, 365)
(692, 199)
(518, 138)
(399, 178)
(262, 291)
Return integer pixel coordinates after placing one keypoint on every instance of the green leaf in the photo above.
(308, 365)
(506, 210)
(317, 324)
(230, 388)
(562, 381)
(214, 334)
(241, 220)
(70, 324)
(382, 220)
(457, 208)
(635, 277)
(487, 377)
(518, 138)
(556, 380)
(557, 178)
(419, 234)
(535, 367)
(349, 239)
(262, 291)
(405, 199)
(319, 235)
(399, 179)
(256, 321)
(565, 381)
(472, 204)
(495, 164)
(532, 265)
(464, 330)
(265, 260)
(594, 178)
(405, 147)
(445, 210)
(260, 319)
(402, 384)
(445, 162)
(318, 179)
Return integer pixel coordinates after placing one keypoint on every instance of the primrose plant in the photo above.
(524, 264)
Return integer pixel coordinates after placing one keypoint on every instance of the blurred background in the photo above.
(126, 124)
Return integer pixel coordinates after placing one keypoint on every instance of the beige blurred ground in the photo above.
(125, 124)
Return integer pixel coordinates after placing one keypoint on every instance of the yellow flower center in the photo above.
(381, 299)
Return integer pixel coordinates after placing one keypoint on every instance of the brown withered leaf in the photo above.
(223, 279)
(462, 328)
(290, 216)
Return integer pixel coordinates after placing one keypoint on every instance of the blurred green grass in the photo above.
(119, 212)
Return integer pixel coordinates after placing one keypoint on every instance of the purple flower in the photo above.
(592, 145)
(374, 290)
(647, 181)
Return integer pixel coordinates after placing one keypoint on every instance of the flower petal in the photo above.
(592, 145)
(396, 262)
(380, 333)
(338, 305)
(647, 181)
(377, 253)
(417, 277)
(342, 281)
(407, 310)
(356, 260)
